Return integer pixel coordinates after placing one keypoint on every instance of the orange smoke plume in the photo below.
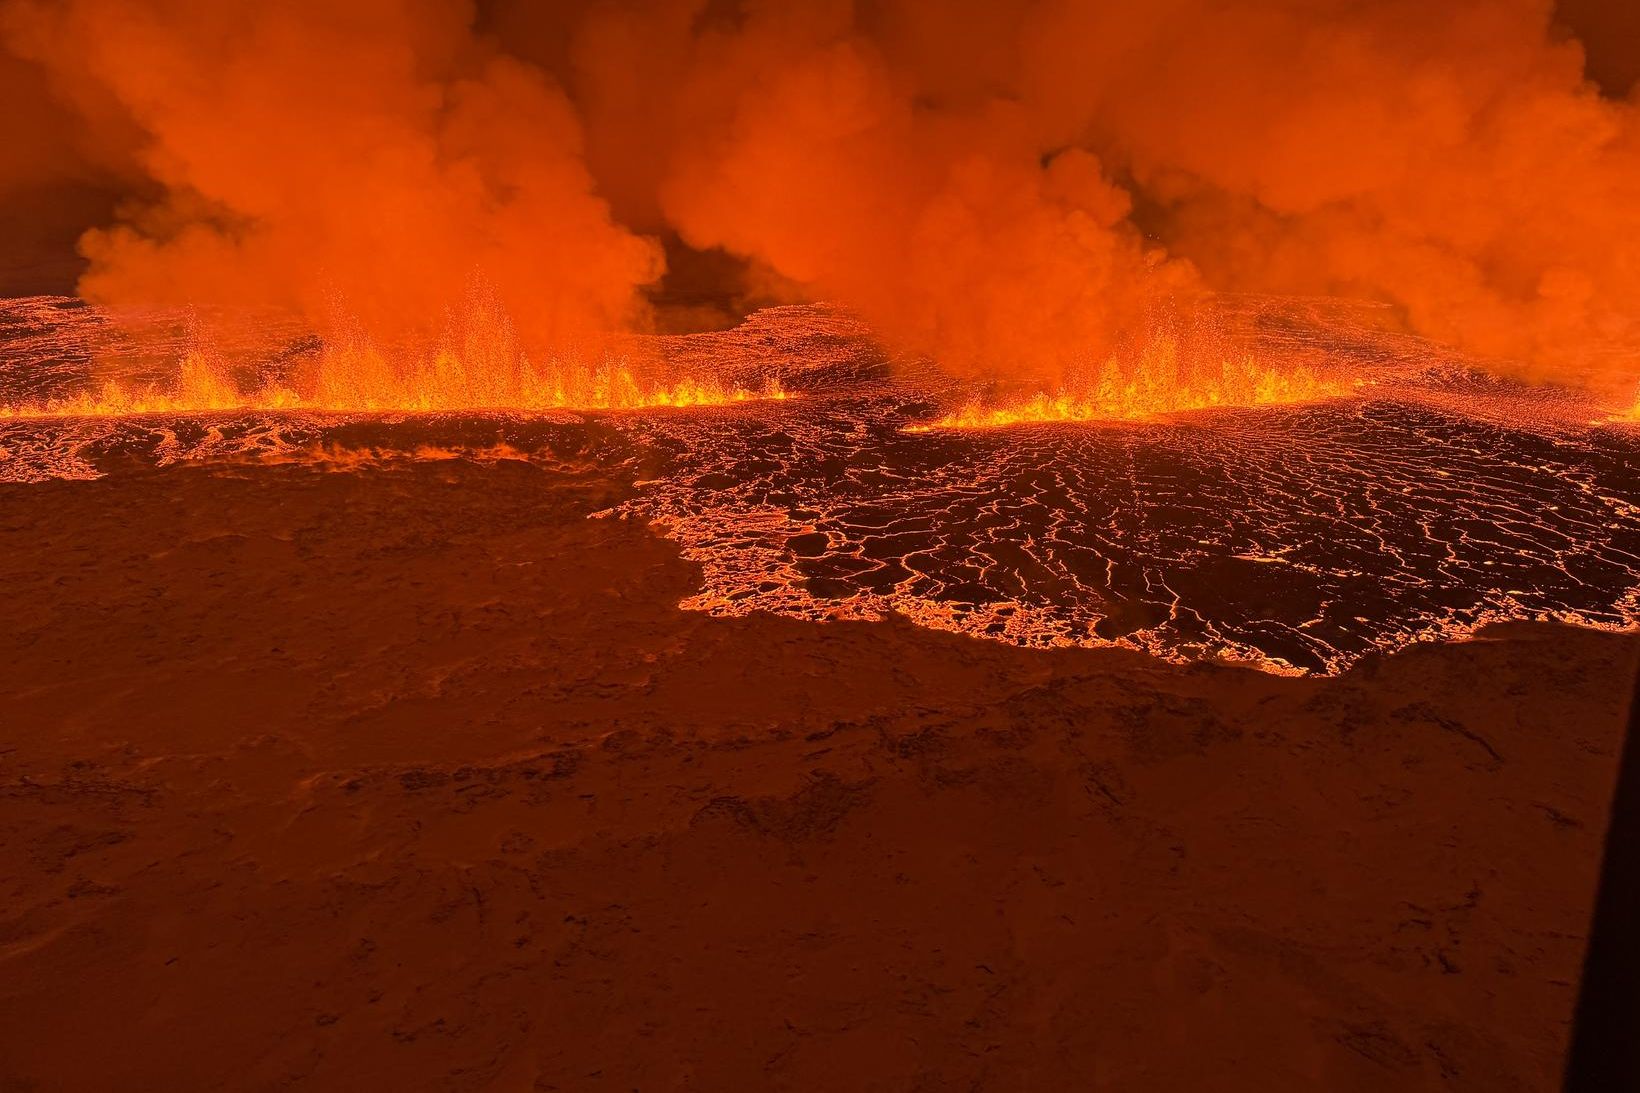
(954, 236)
(1453, 161)
(1007, 189)
(365, 159)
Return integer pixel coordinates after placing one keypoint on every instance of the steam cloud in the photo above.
(366, 159)
(1007, 188)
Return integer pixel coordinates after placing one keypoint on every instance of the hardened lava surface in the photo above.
(1300, 538)
(1297, 539)
(1435, 501)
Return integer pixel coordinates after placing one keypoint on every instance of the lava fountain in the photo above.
(479, 366)
(1161, 380)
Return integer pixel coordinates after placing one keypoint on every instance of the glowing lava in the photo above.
(361, 378)
(604, 388)
(1298, 540)
(1158, 383)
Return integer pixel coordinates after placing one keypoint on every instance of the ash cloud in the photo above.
(1011, 189)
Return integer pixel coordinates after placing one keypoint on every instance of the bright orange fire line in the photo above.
(1152, 389)
(364, 384)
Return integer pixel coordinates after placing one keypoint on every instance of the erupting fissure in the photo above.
(609, 388)
(1160, 381)
(360, 378)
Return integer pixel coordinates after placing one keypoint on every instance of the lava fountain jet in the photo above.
(1172, 370)
(478, 365)
(363, 379)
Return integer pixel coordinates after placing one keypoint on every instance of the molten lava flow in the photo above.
(1158, 382)
(1632, 414)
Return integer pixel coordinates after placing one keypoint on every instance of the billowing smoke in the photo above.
(367, 161)
(1449, 158)
(1011, 189)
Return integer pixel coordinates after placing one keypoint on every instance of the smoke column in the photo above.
(370, 159)
(1011, 192)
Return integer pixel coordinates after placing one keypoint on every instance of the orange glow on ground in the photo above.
(1159, 383)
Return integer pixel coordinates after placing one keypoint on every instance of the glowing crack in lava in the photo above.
(1428, 502)
(1296, 538)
